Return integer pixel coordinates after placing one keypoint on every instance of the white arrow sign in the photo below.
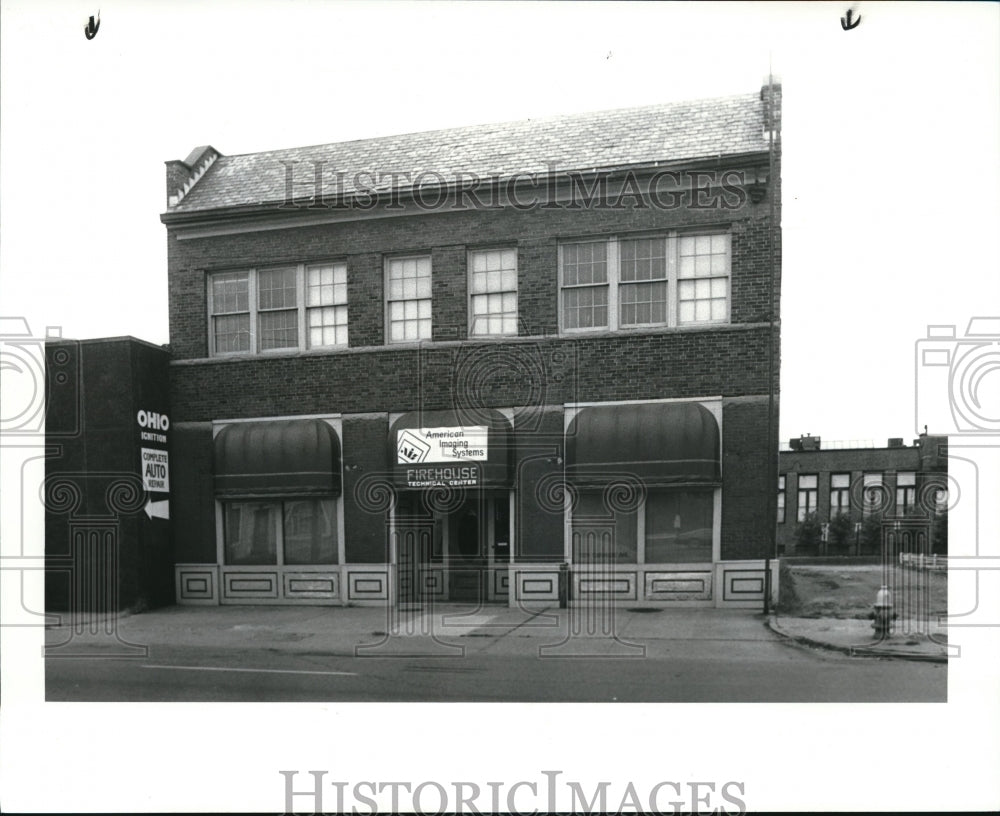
(160, 509)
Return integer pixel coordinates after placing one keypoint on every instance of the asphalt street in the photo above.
(498, 669)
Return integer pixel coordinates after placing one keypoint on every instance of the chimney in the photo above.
(183, 175)
(896, 442)
(770, 95)
(805, 442)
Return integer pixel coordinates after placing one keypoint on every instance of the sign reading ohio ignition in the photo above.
(448, 449)
(154, 464)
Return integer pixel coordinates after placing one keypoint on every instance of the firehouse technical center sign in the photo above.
(442, 456)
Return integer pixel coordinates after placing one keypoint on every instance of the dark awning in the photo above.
(293, 457)
(429, 448)
(660, 443)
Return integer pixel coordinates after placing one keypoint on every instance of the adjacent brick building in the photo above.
(857, 482)
(440, 365)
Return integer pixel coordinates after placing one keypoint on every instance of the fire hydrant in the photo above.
(883, 612)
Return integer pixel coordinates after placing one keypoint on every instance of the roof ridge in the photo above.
(713, 100)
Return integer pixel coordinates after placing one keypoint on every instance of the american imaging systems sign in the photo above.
(442, 456)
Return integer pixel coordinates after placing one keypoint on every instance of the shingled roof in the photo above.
(605, 140)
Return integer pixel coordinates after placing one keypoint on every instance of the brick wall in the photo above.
(822, 463)
(747, 495)
(447, 236)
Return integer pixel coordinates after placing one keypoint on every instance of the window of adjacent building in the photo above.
(781, 500)
(493, 292)
(808, 494)
(840, 495)
(294, 531)
(650, 281)
(872, 493)
(284, 308)
(906, 491)
(672, 525)
(940, 501)
(409, 299)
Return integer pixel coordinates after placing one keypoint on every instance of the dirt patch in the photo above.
(829, 591)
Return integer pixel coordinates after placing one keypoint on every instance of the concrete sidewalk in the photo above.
(446, 628)
(914, 640)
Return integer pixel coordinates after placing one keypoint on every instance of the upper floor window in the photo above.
(781, 500)
(326, 305)
(872, 494)
(654, 281)
(808, 493)
(276, 309)
(840, 495)
(408, 299)
(906, 491)
(493, 292)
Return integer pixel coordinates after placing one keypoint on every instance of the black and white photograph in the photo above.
(499, 406)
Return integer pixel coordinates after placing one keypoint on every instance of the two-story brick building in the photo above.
(857, 481)
(440, 365)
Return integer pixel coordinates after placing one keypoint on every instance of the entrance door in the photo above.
(468, 548)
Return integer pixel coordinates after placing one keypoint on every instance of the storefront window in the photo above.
(299, 531)
(310, 532)
(678, 526)
(251, 533)
(599, 535)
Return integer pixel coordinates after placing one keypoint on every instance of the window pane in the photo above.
(585, 307)
(323, 324)
(599, 536)
(643, 303)
(807, 481)
(643, 259)
(678, 526)
(585, 263)
(276, 289)
(232, 333)
(906, 478)
(310, 532)
(230, 292)
(278, 330)
(251, 533)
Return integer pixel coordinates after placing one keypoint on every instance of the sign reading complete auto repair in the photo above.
(442, 456)
(154, 464)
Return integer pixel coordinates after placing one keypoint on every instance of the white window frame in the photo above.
(802, 511)
(471, 295)
(870, 480)
(906, 490)
(615, 283)
(840, 491)
(386, 300)
(301, 309)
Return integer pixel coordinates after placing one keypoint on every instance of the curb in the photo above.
(851, 651)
